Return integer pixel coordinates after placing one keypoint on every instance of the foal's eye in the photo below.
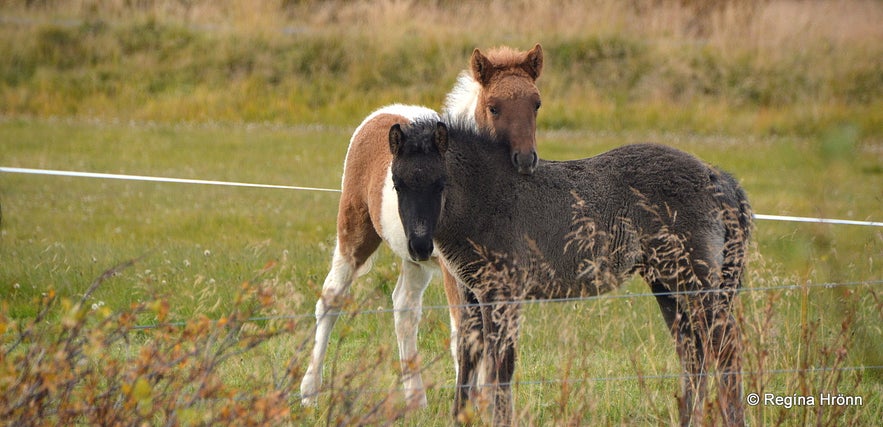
(493, 110)
(537, 107)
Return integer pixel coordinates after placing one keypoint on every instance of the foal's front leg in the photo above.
(336, 286)
(470, 355)
(407, 301)
(501, 323)
(356, 243)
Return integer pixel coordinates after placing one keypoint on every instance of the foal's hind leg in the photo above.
(501, 324)
(470, 355)
(689, 347)
(703, 326)
(407, 299)
(336, 285)
(349, 258)
(726, 343)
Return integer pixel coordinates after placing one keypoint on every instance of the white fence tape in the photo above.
(157, 179)
(331, 190)
(817, 220)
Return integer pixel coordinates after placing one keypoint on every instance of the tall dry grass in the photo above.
(770, 65)
(774, 25)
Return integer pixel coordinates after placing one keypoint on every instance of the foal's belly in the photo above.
(576, 289)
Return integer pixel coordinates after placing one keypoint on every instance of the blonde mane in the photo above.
(463, 98)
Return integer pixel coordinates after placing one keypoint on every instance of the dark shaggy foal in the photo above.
(577, 228)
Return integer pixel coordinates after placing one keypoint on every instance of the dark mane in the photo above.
(459, 129)
(468, 144)
(463, 132)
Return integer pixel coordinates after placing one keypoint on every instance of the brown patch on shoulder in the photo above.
(367, 162)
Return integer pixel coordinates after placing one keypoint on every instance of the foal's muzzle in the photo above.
(420, 248)
(525, 163)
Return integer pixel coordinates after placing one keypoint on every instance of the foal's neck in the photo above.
(480, 173)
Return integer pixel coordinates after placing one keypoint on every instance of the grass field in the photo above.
(193, 93)
(195, 245)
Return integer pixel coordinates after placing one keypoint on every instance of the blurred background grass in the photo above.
(784, 94)
(757, 66)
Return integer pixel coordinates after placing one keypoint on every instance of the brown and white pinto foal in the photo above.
(498, 93)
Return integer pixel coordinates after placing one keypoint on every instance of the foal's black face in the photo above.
(419, 176)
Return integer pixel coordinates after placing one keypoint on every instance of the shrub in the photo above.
(76, 364)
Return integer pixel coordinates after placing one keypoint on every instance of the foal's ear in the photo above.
(482, 68)
(440, 137)
(396, 136)
(534, 62)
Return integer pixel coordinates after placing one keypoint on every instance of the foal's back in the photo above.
(590, 223)
(623, 204)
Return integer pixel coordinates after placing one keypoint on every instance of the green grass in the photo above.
(785, 95)
(195, 245)
(79, 227)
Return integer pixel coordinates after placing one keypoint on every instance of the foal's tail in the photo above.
(726, 340)
(737, 218)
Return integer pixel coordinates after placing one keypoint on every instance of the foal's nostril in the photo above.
(420, 249)
(526, 164)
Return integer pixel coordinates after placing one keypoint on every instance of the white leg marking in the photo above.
(407, 302)
(454, 336)
(336, 285)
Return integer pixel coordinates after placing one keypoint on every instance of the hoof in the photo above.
(309, 391)
(308, 401)
(416, 398)
(418, 401)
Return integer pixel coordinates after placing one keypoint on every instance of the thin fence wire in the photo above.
(380, 311)
(663, 376)
(146, 178)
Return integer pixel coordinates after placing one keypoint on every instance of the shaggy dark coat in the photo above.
(579, 228)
